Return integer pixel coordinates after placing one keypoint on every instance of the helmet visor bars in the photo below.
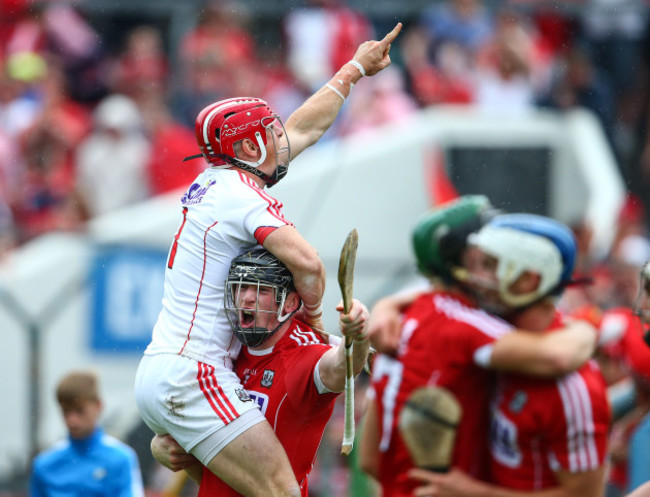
(254, 309)
(280, 145)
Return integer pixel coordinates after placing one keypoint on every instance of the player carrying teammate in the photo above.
(292, 374)
(185, 385)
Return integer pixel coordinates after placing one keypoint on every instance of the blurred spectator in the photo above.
(210, 55)
(171, 142)
(614, 29)
(43, 198)
(464, 22)
(321, 37)
(578, 83)
(20, 97)
(111, 161)
(440, 49)
(277, 84)
(505, 71)
(383, 100)
(142, 67)
(444, 80)
(79, 49)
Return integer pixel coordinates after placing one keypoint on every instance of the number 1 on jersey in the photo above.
(172, 252)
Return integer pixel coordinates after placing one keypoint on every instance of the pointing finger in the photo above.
(390, 37)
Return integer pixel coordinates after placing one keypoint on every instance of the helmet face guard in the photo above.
(220, 125)
(255, 295)
(526, 243)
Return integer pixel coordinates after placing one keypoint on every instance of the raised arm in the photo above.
(310, 121)
(332, 364)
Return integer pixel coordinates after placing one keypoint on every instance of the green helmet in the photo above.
(440, 236)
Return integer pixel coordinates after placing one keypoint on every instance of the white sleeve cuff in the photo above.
(483, 355)
(320, 386)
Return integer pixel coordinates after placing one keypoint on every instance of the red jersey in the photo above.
(283, 382)
(623, 334)
(541, 426)
(441, 336)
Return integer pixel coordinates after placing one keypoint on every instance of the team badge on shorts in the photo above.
(267, 378)
(243, 395)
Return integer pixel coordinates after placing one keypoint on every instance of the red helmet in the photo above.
(222, 124)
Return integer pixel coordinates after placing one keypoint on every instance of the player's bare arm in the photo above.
(547, 354)
(459, 484)
(310, 121)
(332, 365)
(302, 259)
(385, 324)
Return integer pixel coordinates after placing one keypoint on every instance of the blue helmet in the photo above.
(528, 242)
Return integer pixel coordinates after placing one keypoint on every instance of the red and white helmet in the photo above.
(222, 124)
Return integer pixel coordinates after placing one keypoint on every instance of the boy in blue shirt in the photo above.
(89, 463)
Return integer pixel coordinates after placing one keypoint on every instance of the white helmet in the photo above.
(527, 242)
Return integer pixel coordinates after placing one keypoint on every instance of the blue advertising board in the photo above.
(127, 286)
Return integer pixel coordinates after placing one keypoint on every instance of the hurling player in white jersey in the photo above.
(185, 385)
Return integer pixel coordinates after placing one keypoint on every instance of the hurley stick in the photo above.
(346, 278)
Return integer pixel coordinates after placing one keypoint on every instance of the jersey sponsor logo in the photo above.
(503, 440)
(267, 378)
(196, 192)
(261, 399)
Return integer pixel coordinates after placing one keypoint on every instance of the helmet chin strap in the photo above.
(260, 143)
(253, 167)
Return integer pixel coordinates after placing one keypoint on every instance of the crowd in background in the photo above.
(85, 130)
(81, 114)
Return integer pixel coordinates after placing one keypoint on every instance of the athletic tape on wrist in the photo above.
(335, 91)
(358, 65)
(314, 310)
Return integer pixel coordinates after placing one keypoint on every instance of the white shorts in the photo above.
(202, 406)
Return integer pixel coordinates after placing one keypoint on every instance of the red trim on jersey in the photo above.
(262, 232)
(274, 208)
(172, 253)
(207, 380)
(198, 294)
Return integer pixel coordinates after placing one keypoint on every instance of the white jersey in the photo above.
(225, 213)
